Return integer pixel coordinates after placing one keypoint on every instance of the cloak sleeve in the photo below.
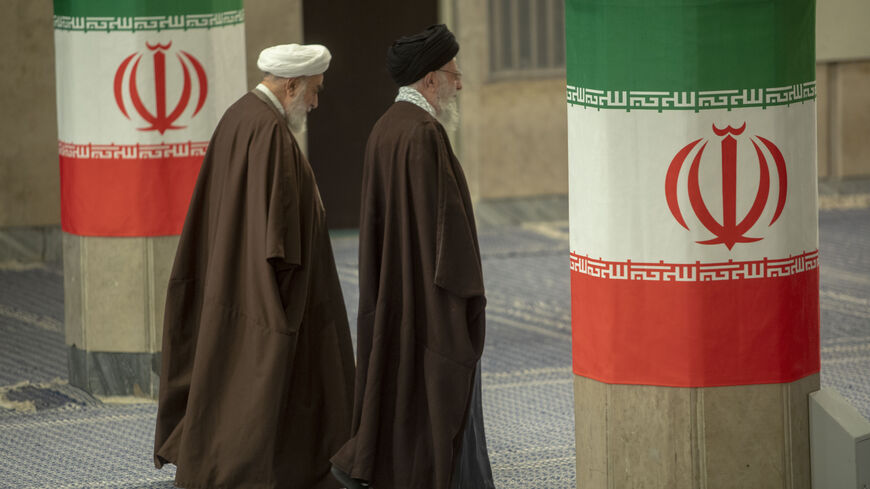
(457, 258)
(283, 248)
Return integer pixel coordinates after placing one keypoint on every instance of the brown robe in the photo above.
(257, 368)
(420, 328)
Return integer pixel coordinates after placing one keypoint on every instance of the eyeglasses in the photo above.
(457, 74)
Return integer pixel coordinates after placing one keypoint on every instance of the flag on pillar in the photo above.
(141, 86)
(693, 191)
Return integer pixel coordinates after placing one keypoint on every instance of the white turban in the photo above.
(292, 60)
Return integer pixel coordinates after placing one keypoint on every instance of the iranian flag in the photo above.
(141, 86)
(693, 191)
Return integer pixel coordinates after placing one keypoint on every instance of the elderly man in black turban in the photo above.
(417, 420)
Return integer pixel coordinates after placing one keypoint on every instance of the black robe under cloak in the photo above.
(257, 369)
(420, 329)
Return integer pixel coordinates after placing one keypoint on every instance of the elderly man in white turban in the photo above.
(256, 381)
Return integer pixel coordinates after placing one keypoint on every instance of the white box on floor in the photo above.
(839, 443)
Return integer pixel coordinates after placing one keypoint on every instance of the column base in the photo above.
(691, 438)
(108, 374)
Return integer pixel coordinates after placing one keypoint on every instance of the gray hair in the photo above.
(269, 77)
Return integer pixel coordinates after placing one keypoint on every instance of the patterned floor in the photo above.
(845, 301)
(55, 437)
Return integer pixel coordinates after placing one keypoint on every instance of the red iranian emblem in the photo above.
(729, 231)
(159, 119)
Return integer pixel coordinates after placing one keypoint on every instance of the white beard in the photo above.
(447, 111)
(448, 114)
(296, 114)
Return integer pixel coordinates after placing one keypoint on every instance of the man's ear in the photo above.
(292, 86)
(429, 80)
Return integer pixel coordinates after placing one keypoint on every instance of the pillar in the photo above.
(694, 241)
(141, 86)
(114, 292)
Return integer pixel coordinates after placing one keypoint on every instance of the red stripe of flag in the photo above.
(696, 334)
(126, 197)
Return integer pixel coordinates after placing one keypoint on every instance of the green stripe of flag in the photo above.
(689, 45)
(141, 8)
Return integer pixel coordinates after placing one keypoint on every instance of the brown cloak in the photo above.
(420, 328)
(257, 367)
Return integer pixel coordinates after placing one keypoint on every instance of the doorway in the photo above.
(358, 89)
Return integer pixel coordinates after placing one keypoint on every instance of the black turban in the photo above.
(411, 57)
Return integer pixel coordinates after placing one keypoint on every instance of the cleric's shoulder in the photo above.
(411, 122)
(251, 111)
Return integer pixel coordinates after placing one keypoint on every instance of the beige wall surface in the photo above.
(468, 21)
(523, 139)
(29, 175)
(842, 30)
(843, 108)
(850, 108)
(267, 23)
(513, 138)
(822, 122)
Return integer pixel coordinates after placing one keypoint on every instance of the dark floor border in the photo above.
(844, 186)
(115, 374)
(33, 244)
(506, 212)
